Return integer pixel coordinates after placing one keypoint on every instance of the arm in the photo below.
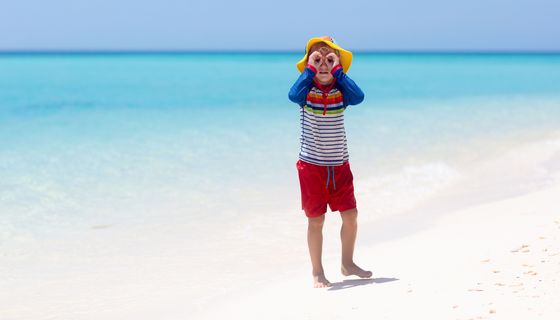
(352, 93)
(300, 89)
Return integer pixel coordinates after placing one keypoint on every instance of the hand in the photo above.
(315, 59)
(332, 60)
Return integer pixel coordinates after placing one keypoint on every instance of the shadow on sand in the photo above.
(346, 284)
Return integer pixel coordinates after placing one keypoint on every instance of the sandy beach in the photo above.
(487, 247)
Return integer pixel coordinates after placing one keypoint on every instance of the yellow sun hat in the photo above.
(345, 55)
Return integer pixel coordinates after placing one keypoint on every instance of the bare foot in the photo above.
(320, 281)
(353, 269)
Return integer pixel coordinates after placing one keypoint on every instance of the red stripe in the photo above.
(312, 68)
(338, 66)
(324, 101)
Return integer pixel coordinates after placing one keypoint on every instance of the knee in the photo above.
(316, 222)
(350, 216)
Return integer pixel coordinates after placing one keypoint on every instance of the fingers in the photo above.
(315, 59)
(332, 60)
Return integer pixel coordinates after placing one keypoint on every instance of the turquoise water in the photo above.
(138, 138)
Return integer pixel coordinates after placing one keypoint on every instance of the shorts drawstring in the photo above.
(329, 176)
(333, 181)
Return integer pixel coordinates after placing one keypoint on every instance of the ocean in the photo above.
(122, 157)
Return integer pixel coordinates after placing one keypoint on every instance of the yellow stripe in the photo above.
(321, 111)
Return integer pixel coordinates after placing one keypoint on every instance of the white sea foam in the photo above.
(394, 193)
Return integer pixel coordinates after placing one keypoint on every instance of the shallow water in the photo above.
(104, 137)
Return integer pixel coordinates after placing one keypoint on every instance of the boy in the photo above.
(323, 91)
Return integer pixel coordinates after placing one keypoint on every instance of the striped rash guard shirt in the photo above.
(323, 137)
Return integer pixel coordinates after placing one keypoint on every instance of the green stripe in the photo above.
(321, 111)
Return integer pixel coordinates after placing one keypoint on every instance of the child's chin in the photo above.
(324, 80)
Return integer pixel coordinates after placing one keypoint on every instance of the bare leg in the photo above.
(348, 238)
(315, 243)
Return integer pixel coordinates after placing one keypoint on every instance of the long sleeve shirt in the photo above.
(323, 137)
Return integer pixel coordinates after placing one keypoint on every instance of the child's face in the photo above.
(323, 75)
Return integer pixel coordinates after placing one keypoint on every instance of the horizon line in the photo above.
(255, 51)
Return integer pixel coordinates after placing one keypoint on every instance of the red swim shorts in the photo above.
(322, 185)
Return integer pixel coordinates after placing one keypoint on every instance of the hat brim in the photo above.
(345, 55)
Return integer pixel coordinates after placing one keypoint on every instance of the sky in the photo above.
(285, 25)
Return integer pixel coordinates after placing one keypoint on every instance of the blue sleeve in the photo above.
(351, 92)
(300, 89)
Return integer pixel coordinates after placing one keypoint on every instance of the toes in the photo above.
(322, 285)
(321, 282)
